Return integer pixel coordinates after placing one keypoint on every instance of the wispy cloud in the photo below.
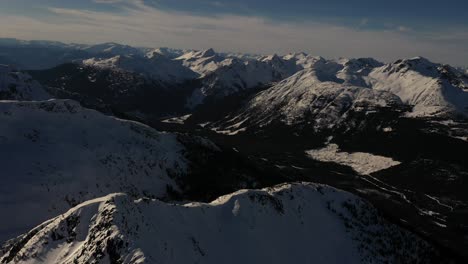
(143, 25)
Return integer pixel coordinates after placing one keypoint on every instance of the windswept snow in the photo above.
(363, 163)
(290, 223)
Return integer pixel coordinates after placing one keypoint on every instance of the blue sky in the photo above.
(387, 30)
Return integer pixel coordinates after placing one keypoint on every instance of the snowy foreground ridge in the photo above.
(289, 223)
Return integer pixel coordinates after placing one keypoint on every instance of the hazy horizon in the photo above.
(385, 31)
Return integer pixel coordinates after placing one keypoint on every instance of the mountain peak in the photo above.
(272, 58)
(208, 53)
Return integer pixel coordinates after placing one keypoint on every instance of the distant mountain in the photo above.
(433, 89)
(157, 67)
(113, 48)
(315, 220)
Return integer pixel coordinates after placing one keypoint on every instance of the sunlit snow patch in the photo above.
(361, 162)
(177, 120)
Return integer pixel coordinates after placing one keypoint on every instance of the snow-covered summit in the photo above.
(249, 226)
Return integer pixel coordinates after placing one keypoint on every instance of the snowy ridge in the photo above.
(249, 226)
(15, 85)
(60, 154)
(432, 88)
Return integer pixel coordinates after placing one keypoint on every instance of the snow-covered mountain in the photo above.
(290, 223)
(234, 75)
(57, 154)
(432, 88)
(16, 85)
(312, 97)
(157, 67)
(327, 92)
(351, 123)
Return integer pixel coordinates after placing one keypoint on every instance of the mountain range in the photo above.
(120, 154)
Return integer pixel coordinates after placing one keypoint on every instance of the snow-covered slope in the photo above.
(314, 97)
(432, 88)
(15, 85)
(158, 67)
(56, 154)
(290, 223)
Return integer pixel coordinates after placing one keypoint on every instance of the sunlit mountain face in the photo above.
(138, 131)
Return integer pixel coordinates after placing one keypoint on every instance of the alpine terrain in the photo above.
(117, 154)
